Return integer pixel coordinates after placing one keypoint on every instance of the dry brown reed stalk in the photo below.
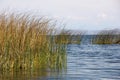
(25, 43)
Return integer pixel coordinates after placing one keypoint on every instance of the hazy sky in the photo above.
(78, 14)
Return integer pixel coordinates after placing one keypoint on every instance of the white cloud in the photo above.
(103, 15)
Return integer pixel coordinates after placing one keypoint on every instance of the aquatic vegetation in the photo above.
(68, 37)
(107, 37)
(25, 45)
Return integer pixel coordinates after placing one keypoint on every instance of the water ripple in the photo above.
(93, 62)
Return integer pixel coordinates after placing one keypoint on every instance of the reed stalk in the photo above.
(107, 37)
(25, 45)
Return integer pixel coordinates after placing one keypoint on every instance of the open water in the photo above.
(84, 62)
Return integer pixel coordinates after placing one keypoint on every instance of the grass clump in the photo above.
(25, 45)
(68, 37)
(107, 37)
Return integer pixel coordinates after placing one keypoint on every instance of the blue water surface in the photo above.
(85, 62)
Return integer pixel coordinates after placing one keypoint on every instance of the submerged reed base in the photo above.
(25, 45)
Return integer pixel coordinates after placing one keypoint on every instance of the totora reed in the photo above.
(27, 42)
(107, 37)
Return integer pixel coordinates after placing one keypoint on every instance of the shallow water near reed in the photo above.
(85, 61)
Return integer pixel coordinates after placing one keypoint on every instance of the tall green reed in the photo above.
(26, 42)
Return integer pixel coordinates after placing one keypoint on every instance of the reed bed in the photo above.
(25, 45)
(107, 37)
(68, 37)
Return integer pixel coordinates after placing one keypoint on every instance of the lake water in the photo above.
(84, 62)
